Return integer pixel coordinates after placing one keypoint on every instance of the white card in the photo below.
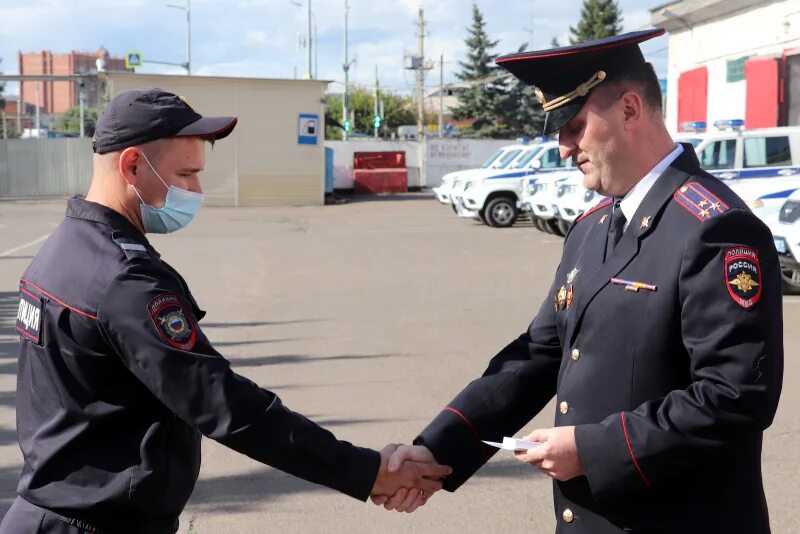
(513, 444)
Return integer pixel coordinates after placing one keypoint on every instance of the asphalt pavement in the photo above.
(368, 318)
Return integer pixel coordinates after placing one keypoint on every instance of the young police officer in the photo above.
(116, 381)
(661, 336)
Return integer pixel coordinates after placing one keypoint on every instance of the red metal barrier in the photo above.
(380, 180)
(379, 160)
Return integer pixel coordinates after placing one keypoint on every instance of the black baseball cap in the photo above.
(143, 115)
(565, 76)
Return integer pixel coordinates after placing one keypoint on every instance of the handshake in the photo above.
(407, 478)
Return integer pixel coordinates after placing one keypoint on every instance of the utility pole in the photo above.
(310, 43)
(189, 37)
(441, 96)
(346, 68)
(375, 120)
(421, 75)
(188, 9)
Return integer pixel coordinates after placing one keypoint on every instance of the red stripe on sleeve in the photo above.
(630, 449)
(469, 424)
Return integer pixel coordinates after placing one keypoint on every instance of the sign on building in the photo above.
(133, 60)
(307, 128)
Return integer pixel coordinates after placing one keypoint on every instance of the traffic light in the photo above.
(347, 126)
(376, 121)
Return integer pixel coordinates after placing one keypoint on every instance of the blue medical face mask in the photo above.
(180, 206)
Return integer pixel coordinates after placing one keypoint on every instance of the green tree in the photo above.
(599, 18)
(519, 110)
(70, 121)
(397, 110)
(480, 100)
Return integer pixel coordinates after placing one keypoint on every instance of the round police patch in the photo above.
(743, 275)
(172, 321)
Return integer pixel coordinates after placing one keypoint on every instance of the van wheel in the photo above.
(482, 217)
(563, 226)
(501, 212)
(791, 281)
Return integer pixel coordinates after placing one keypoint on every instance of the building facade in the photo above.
(57, 97)
(732, 59)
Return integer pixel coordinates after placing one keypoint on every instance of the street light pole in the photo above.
(188, 9)
(310, 43)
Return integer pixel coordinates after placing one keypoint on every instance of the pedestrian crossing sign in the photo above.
(133, 60)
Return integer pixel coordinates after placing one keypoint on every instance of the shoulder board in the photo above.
(699, 201)
(131, 248)
(603, 204)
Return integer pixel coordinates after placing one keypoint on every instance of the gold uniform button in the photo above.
(563, 407)
(568, 516)
(576, 354)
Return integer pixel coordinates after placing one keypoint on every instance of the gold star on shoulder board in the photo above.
(645, 222)
(602, 219)
(744, 282)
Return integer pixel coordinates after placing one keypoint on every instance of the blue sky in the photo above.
(258, 38)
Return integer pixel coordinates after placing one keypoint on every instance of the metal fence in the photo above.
(45, 167)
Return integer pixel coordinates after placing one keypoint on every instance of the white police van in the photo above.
(785, 227)
(495, 161)
(539, 196)
(511, 154)
(761, 166)
(573, 200)
(494, 198)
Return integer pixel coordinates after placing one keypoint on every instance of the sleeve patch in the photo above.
(172, 321)
(30, 316)
(743, 275)
(699, 201)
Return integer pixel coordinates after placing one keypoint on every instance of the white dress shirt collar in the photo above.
(630, 203)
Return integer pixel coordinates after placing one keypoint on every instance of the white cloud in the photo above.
(255, 37)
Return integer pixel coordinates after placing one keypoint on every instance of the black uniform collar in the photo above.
(80, 208)
(649, 210)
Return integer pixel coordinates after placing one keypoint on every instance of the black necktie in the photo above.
(616, 227)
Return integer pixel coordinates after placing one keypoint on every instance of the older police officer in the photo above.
(661, 336)
(116, 380)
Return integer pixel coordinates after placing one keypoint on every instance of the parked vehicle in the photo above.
(785, 227)
(495, 161)
(539, 196)
(494, 197)
(761, 166)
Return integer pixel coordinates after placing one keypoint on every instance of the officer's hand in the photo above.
(423, 468)
(557, 456)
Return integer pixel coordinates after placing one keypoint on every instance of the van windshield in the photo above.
(506, 158)
(526, 158)
(494, 157)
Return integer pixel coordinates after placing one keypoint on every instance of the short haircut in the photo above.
(643, 80)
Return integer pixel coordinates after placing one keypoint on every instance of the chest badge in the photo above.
(602, 219)
(645, 222)
(561, 298)
(572, 274)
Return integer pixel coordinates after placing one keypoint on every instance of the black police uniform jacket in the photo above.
(117, 382)
(669, 387)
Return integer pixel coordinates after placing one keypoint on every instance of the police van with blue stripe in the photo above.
(761, 166)
(502, 157)
(494, 197)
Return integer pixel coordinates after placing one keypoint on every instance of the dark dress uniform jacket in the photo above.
(117, 383)
(669, 388)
